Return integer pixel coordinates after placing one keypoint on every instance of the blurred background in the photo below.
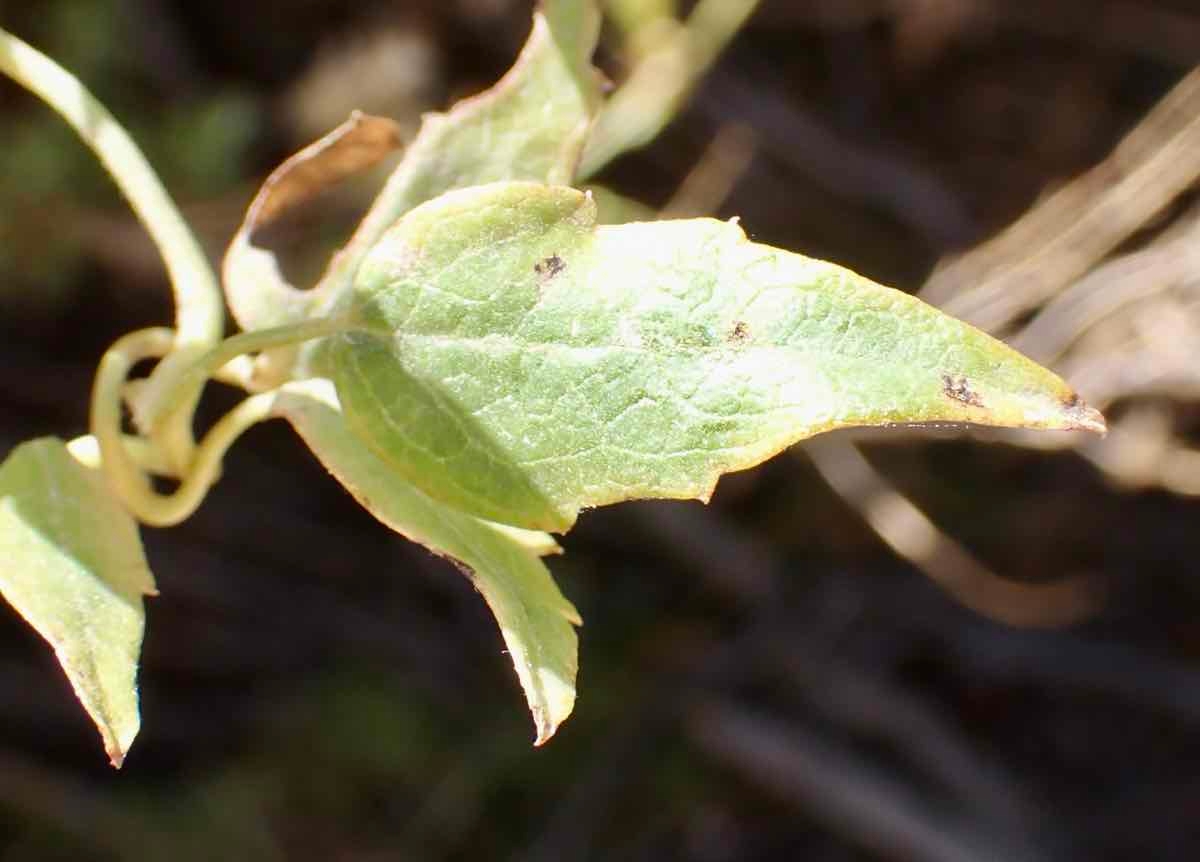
(926, 645)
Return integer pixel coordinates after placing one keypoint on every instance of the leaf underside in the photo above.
(71, 563)
(257, 293)
(517, 361)
(536, 621)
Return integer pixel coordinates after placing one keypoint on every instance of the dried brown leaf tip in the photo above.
(356, 145)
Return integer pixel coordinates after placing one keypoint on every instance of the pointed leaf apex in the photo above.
(74, 568)
(1083, 417)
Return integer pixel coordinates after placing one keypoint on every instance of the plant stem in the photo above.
(125, 477)
(206, 466)
(212, 362)
(86, 450)
(123, 465)
(127, 481)
(199, 309)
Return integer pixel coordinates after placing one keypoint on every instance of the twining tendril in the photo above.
(126, 475)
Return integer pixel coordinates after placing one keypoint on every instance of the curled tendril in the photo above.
(127, 475)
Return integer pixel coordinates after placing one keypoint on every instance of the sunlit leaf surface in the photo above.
(531, 125)
(519, 362)
(71, 563)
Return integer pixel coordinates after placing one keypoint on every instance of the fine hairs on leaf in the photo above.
(482, 361)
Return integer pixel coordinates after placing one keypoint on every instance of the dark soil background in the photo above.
(760, 679)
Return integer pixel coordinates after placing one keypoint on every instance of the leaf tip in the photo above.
(553, 708)
(545, 726)
(1081, 416)
(117, 743)
(571, 614)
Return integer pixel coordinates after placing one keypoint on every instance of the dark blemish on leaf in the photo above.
(550, 267)
(960, 390)
(739, 333)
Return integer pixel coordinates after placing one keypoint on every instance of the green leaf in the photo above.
(71, 563)
(518, 362)
(503, 563)
(673, 58)
(531, 125)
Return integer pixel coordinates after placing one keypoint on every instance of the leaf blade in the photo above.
(531, 125)
(535, 620)
(519, 362)
(72, 565)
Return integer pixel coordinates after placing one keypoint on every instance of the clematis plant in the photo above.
(482, 361)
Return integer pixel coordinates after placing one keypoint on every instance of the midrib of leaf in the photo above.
(517, 346)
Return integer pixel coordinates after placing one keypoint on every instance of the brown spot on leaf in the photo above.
(739, 333)
(549, 267)
(958, 388)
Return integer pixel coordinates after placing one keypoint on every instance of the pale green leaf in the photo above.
(520, 363)
(503, 563)
(531, 125)
(673, 59)
(71, 563)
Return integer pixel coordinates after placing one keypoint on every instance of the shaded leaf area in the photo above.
(71, 564)
(519, 363)
(338, 692)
